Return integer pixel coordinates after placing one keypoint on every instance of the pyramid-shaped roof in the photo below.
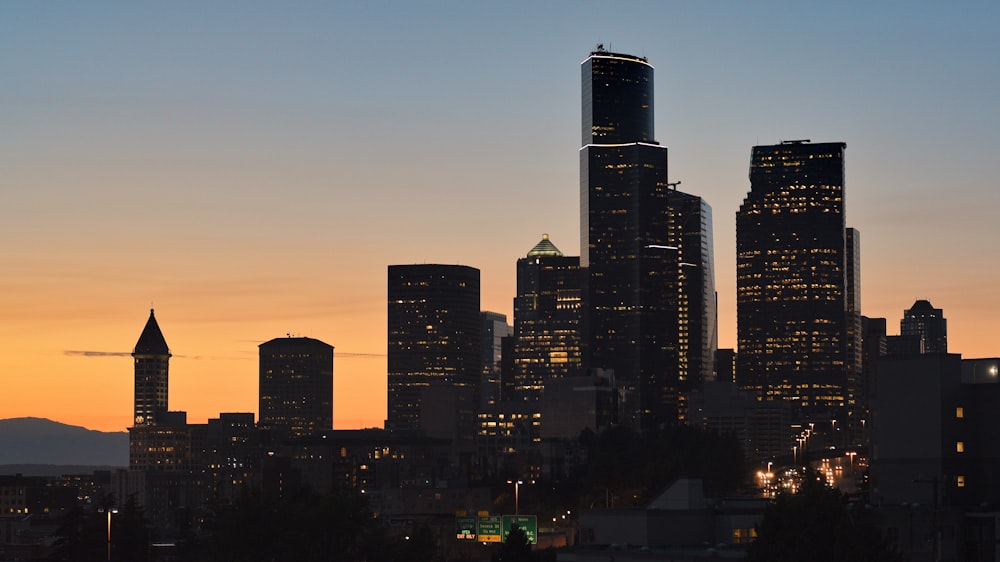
(922, 305)
(151, 341)
(544, 248)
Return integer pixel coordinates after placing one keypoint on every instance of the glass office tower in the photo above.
(631, 245)
(797, 281)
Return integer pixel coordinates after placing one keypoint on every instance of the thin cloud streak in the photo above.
(89, 353)
(97, 353)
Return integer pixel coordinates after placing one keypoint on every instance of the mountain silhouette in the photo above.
(43, 441)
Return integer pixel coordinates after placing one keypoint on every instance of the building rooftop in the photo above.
(544, 248)
(151, 341)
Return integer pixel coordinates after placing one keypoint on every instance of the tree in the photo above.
(515, 549)
(80, 536)
(820, 525)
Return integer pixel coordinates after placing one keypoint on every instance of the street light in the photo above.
(110, 511)
(517, 486)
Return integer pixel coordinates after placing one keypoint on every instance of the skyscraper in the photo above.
(797, 281)
(494, 329)
(151, 358)
(636, 248)
(434, 345)
(924, 322)
(295, 386)
(546, 319)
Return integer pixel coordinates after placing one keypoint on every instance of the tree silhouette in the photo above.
(80, 536)
(516, 548)
(818, 524)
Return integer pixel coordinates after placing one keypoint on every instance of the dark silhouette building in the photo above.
(494, 329)
(924, 322)
(159, 439)
(296, 386)
(797, 276)
(645, 250)
(546, 319)
(434, 349)
(151, 357)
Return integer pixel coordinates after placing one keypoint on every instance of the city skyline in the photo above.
(250, 173)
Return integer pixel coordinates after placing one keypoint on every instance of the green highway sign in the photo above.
(491, 528)
(465, 528)
(527, 523)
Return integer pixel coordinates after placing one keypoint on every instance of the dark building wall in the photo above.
(296, 386)
(915, 431)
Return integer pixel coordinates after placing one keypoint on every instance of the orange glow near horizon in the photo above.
(70, 362)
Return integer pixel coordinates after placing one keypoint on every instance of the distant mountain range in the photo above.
(39, 441)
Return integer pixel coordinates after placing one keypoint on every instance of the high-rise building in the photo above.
(639, 259)
(159, 440)
(495, 329)
(296, 386)
(797, 274)
(152, 362)
(546, 319)
(927, 323)
(434, 347)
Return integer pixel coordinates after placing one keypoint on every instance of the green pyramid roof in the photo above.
(544, 248)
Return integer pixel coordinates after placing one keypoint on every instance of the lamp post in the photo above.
(517, 485)
(110, 510)
(850, 456)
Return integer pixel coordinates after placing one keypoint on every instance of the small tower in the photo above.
(152, 358)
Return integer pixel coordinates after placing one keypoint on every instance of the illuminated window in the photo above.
(960, 481)
(960, 446)
(959, 412)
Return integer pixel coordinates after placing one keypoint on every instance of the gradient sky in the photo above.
(250, 169)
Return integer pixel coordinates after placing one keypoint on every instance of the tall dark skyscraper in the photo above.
(924, 322)
(797, 277)
(546, 319)
(636, 254)
(152, 361)
(434, 345)
(296, 386)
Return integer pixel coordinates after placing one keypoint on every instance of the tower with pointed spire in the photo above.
(151, 357)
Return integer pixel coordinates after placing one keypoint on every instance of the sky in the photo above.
(250, 169)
